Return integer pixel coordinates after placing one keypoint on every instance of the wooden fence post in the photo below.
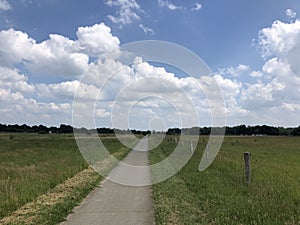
(247, 166)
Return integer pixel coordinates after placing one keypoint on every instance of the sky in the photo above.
(54, 50)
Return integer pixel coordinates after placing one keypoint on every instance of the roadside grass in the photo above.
(57, 203)
(38, 169)
(219, 195)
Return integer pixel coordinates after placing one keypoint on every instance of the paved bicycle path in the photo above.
(112, 203)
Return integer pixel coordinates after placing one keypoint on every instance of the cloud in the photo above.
(258, 95)
(66, 90)
(147, 30)
(291, 107)
(197, 6)
(107, 84)
(15, 108)
(276, 67)
(279, 39)
(282, 40)
(4, 5)
(70, 57)
(272, 95)
(277, 88)
(102, 113)
(290, 13)
(256, 74)
(104, 78)
(143, 87)
(169, 5)
(14, 46)
(235, 71)
(128, 12)
(12, 80)
(228, 87)
(97, 39)
(269, 101)
(58, 51)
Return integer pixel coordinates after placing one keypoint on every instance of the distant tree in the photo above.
(241, 130)
(54, 130)
(173, 131)
(25, 128)
(3, 128)
(35, 129)
(296, 131)
(205, 130)
(43, 129)
(65, 129)
(146, 132)
(285, 131)
(105, 130)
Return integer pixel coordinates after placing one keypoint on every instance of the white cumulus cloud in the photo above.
(235, 71)
(96, 39)
(12, 80)
(280, 38)
(58, 55)
(274, 97)
(4, 5)
(256, 74)
(15, 108)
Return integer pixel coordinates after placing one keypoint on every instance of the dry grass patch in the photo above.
(42, 209)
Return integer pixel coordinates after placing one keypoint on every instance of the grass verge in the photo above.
(50, 171)
(53, 206)
(219, 195)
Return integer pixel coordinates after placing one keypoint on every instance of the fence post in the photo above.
(247, 166)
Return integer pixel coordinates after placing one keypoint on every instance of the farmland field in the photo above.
(33, 164)
(219, 195)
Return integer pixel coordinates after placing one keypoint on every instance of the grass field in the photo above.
(219, 194)
(32, 165)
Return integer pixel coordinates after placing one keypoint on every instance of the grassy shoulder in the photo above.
(219, 194)
(52, 207)
(42, 177)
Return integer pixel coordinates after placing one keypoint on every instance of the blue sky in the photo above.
(227, 35)
(221, 32)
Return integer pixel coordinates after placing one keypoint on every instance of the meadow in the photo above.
(219, 195)
(33, 164)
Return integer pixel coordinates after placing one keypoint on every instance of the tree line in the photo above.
(64, 129)
(239, 130)
(235, 130)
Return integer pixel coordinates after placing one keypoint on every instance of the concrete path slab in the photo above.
(113, 203)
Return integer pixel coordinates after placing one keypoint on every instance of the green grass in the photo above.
(53, 207)
(219, 194)
(32, 165)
